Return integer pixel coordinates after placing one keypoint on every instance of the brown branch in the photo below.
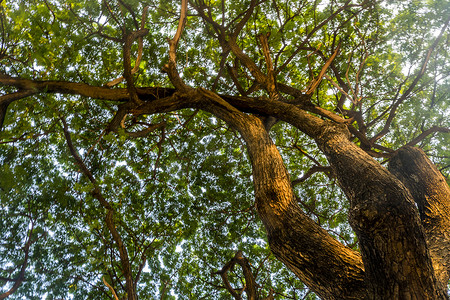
(312, 171)
(219, 29)
(222, 67)
(431, 194)
(128, 49)
(64, 87)
(130, 9)
(146, 131)
(234, 77)
(271, 80)
(247, 62)
(6, 100)
(110, 288)
(406, 94)
(338, 87)
(109, 218)
(250, 284)
(128, 72)
(171, 67)
(426, 133)
(238, 28)
(318, 80)
(21, 277)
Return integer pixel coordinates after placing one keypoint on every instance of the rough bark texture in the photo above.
(395, 260)
(332, 270)
(431, 193)
(385, 219)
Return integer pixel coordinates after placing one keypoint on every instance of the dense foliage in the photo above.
(180, 181)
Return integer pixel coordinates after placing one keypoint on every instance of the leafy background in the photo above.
(183, 194)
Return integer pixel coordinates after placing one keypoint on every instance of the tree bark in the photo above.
(431, 193)
(329, 268)
(394, 240)
(382, 211)
(385, 219)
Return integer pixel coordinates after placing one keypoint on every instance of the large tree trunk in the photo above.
(329, 268)
(332, 270)
(392, 239)
(431, 193)
(403, 256)
(385, 219)
(397, 262)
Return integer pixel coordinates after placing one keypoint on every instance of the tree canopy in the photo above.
(163, 149)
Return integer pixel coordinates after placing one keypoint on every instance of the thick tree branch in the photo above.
(432, 196)
(293, 237)
(65, 87)
(361, 177)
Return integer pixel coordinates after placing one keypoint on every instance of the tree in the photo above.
(141, 186)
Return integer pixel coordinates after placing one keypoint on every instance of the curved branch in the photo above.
(128, 72)
(294, 238)
(110, 288)
(171, 67)
(6, 100)
(250, 283)
(21, 277)
(140, 33)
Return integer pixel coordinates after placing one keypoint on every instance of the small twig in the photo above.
(338, 87)
(312, 171)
